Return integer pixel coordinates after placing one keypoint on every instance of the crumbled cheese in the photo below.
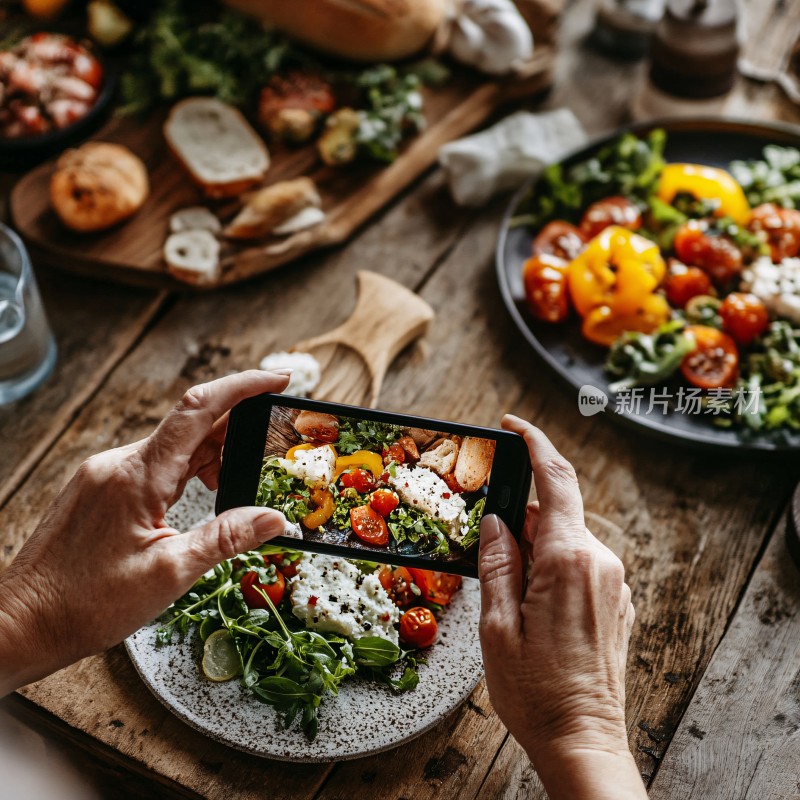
(316, 466)
(426, 491)
(777, 285)
(306, 375)
(331, 594)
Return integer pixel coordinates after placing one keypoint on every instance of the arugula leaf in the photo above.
(473, 534)
(277, 489)
(363, 434)
(374, 651)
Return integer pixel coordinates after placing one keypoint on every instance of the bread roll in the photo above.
(97, 186)
(440, 457)
(474, 462)
(267, 208)
(360, 30)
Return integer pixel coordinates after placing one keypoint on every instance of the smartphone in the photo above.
(373, 485)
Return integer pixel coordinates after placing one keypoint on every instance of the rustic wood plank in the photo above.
(740, 736)
(95, 325)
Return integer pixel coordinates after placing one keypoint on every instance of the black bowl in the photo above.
(578, 362)
(20, 154)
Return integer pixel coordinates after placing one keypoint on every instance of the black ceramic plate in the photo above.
(716, 142)
(23, 153)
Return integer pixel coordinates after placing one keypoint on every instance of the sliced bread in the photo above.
(223, 155)
(193, 257)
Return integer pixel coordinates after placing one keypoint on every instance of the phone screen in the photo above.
(391, 489)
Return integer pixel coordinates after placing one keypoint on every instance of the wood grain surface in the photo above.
(132, 252)
(690, 529)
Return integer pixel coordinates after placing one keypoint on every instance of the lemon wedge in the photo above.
(220, 658)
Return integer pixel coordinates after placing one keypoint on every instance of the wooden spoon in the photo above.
(355, 356)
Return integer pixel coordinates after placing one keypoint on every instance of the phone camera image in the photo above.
(376, 486)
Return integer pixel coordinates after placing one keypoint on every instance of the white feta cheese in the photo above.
(331, 594)
(425, 490)
(777, 285)
(316, 466)
(306, 375)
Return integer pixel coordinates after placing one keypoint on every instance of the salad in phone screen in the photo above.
(377, 486)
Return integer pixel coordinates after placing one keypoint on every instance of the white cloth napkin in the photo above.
(507, 154)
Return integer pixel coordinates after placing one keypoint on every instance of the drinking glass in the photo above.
(27, 347)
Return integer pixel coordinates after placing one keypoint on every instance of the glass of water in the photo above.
(27, 347)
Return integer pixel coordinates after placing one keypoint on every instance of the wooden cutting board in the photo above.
(351, 194)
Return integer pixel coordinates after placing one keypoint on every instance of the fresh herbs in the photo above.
(364, 434)
(410, 526)
(773, 179)
(473, 533)
(283, 664)
(277, 489)
(638, 359)
(178, 53)
(629, 166)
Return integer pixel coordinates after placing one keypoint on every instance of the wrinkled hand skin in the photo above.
(102, 562)
(555, 656)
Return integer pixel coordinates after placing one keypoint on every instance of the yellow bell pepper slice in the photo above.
(603, 326)
(618, 269)
(361, 458)
(325, 506)
(705, 183)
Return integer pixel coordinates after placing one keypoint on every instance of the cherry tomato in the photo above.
(610, 211)
(250, 586)
(362, 480)
(88, 69)
(714, 254)
(369, 526)
(452, 484)
(782, 228)
(398, 583)
(559, 239)
(744, 316)
(545, 278)
(418, 627)
(715, 361)
(284, 564)
(384, 501)
(437, 587)
(683, 283)
(394, 452)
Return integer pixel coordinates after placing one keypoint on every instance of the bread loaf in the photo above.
(360, 30)
(474, 462)
(97, 186)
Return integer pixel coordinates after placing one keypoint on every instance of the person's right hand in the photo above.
(555, 655)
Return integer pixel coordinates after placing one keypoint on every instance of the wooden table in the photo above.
(713, 697)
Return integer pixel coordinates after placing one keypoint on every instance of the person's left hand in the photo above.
(102, 562)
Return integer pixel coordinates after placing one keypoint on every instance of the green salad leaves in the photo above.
(364, 434)
(773, 179)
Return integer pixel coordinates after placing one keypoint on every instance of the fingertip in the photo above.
(269, 523)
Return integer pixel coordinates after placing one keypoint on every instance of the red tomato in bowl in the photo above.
(398, 583)
(545, 279)
(744, 316)
(362, 480)
(436, 587)
(714, 363)
(251, 588)
(610, 211)
(683, 283)
(714, 254)
(559, 239)
(418, 627)
(781, 227)
(384, 501)
(369, 526)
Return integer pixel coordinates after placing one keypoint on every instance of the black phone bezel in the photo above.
(243, 455)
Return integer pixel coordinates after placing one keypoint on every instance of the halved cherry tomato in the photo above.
(782, 228)
(713, 253)
(361, 480)
(384, 501)
(284, 564)
(418, 627)
(683, 283)
(250, 586)
(744, 316)
(610, 211)
(714, 363)
(394, 452)
(559, 239)
(398, 583)
(437, 587)
(545, 278)
(369, 526)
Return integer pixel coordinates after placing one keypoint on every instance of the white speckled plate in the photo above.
(365, 718)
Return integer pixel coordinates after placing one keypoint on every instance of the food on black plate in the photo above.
(47, 82)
